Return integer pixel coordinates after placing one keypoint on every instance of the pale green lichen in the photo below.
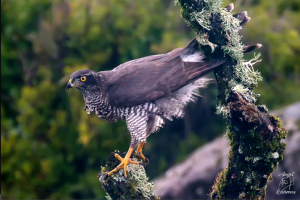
(135, 186)
(275, 155)
(240, 88)
(140, 176)
(256, 159)
(240, 150)
(202, 18)
(224, 110)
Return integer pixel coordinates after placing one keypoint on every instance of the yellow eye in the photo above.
(83, 78)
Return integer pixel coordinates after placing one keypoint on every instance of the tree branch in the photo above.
(135, 186)
(255, 136)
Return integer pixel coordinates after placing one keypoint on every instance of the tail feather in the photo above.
(192, 53)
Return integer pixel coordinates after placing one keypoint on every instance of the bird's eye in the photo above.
(83, 78)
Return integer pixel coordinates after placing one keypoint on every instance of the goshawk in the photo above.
(145, 91)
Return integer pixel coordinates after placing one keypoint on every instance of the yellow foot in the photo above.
(124, 162)
(139, 149)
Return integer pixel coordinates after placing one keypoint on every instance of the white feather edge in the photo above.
(195, 57)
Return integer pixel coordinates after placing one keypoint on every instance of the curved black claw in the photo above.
(230, 7)
(243, 18)
(250, 48)
(105, 177)
(147, 161)
(142, 164)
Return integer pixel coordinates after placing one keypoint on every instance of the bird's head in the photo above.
(83, 80)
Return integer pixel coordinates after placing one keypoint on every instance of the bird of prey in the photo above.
(145, 91)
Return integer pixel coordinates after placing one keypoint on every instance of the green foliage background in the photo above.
(50, 147)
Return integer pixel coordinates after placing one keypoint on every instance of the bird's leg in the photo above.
(124, 162)
(139, 149)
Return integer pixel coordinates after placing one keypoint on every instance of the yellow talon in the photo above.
(140, 148)
(124, 162)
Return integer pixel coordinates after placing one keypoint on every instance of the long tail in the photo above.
(192, 52)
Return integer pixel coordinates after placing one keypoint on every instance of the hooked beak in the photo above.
(71, 85)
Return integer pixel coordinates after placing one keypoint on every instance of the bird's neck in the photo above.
(93, 97)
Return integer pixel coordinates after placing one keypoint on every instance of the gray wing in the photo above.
(153, 77)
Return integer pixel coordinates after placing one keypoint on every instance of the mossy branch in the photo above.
(135, 186)
(255, 136)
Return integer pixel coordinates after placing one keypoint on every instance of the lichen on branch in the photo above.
(217, 31)
(135, 186)
(255, 136)
(256, 149)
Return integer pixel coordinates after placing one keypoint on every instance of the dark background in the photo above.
(50, 147)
